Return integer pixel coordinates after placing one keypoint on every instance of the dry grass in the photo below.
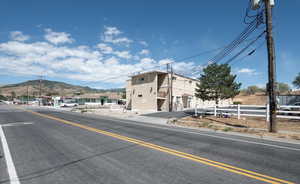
(257, 99)
(289, 129)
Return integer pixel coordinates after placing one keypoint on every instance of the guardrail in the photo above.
(251, 110)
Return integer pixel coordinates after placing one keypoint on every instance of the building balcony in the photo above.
(162, 94)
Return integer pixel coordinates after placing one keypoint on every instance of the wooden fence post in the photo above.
(239, 111)
(267, 112)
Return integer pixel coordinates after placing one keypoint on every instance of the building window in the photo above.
(190, 82)
(174, 78)
(142, 79)
(140, 95)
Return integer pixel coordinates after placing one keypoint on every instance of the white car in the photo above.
(295, 107)
(7, 102)
(68, 104)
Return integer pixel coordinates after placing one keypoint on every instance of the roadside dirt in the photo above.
(289, 129)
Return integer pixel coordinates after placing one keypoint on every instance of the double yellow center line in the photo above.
(195, 158)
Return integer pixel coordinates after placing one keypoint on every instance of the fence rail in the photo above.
(251, 110)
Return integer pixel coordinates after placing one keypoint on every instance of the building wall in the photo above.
(143, 91)
(128, 94)
(146, 92)
(184, 90)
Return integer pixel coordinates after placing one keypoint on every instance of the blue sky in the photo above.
(99, 43)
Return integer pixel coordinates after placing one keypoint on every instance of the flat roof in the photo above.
(161, 72)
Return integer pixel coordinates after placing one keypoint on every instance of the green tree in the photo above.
(296, 82)
(2, 97)
(217, 83)
(13, 95)
(283, 87)
(251, 90)
(124, 95)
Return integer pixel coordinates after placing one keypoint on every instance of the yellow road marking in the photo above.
(195, 158)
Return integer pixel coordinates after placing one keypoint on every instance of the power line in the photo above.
(245, 48)
(249, 54)
(235, 43)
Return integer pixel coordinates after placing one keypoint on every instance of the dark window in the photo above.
(140, 95)
(174, 78)
(142, 79)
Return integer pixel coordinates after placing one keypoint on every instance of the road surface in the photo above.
(46, 146)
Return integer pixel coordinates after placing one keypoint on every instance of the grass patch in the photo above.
(227, 129)
(205, 124)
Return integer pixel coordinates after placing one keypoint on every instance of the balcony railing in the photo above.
(162, 94)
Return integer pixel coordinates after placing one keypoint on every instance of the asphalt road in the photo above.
(61, 147)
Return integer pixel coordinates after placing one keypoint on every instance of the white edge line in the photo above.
(13, 177)
(215, 136)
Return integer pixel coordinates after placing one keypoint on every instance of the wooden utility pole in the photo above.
(271, 68)
(27, 94)
(171, 90)
(40, 90)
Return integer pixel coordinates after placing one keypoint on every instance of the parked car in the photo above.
(68, 104)
(292, 107)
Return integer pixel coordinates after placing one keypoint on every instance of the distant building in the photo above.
(149, 92)
(288, 99)
(98, 98)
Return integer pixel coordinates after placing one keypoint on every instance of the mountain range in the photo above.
(50, 88)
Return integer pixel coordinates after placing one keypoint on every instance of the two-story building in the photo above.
(162, 91)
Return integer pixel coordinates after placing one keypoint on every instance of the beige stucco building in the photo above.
(161, 91)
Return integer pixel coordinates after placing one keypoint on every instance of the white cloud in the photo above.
(165, 61)
(105, 48)
(144, 52)
(123, 54)
(112, 31)
(57, 37)
(111, 61)
(111, 39)
(100, 63)
(111, 35)
(144, 43)
(247, 71)
(18, 36)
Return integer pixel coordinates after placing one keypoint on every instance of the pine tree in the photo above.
(296, 82)
(217, 83)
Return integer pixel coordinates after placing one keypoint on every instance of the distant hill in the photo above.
(50, 88)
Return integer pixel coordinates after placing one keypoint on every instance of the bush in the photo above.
(227, 129)
(2, 97)
(237, 103)
(251, 90)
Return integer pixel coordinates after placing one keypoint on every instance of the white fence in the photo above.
(251, 110)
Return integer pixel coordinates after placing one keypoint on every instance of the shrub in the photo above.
(227, 129)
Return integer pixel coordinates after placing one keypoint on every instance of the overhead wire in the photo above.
(256, 21)
(235, 43)
(248, 54)
(245, 48)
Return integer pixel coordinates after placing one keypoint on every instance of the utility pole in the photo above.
(27, 94)
(171, 90)
(40, 89)
(168, 88)
(271, 67)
